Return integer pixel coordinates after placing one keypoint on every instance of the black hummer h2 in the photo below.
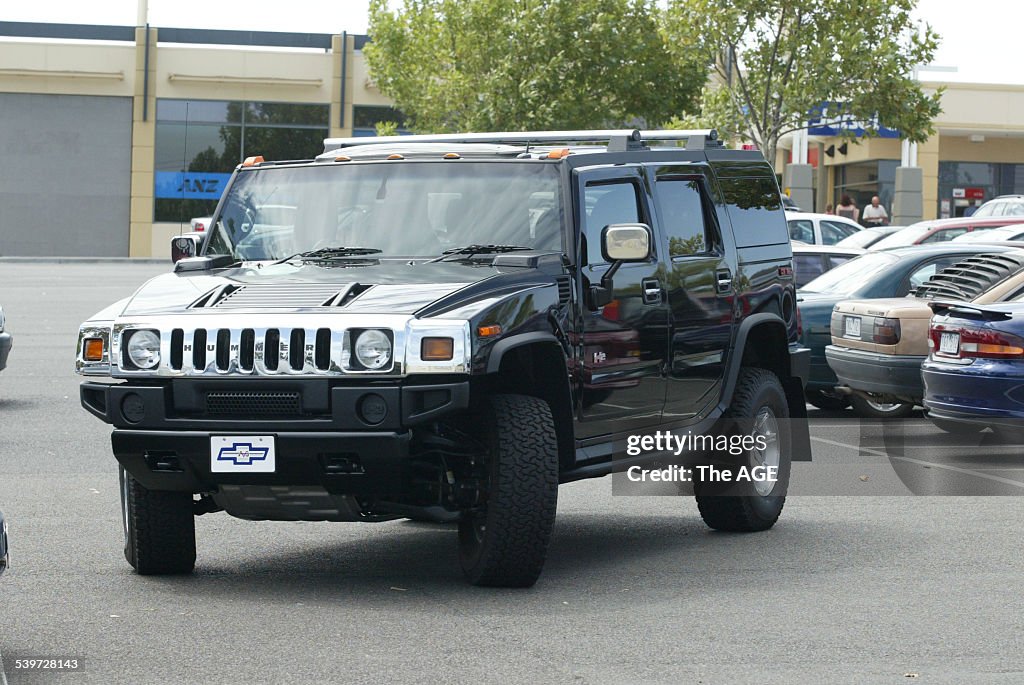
(446, 328)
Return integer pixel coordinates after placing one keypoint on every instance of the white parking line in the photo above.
(969, 472)
(3, 676)
(855, 448)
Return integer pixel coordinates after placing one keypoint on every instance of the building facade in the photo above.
(975, 154)
(115, 137)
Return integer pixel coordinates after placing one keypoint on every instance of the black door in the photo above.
(699, 288)
(624, 343)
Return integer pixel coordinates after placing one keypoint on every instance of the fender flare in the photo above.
(505, 345)
(736, 357)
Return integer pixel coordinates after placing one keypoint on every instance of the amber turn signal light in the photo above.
(253, 161)
(437, 349)
(93, 349)
(489, 331)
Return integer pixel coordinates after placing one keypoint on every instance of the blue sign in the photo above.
(830, 119)
(190, 185)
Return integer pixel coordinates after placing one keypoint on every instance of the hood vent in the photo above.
(279, 296)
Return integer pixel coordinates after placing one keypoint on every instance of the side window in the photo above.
(682, 216)
(807, 268)
(755, 208)
(1014, 209)
(943, 236)
(835, 260)
(831, 234)
(842, 230)
(802, 230)
(607, 203)
(926, 271)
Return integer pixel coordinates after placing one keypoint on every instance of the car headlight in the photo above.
(373, 349)
(144, 349)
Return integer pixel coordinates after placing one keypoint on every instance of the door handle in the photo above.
(723, 280)
(651, 290)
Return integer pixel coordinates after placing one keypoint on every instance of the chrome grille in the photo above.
(252, 350)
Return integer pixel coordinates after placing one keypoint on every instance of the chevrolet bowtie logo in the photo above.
(242, 453)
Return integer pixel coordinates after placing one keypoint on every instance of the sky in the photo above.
(978, 37)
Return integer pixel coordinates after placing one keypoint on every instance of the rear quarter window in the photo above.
(755, 209)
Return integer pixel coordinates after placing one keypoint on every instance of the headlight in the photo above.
(144, 349)
(373, 349)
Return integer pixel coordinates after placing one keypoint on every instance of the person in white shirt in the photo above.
(874, 214)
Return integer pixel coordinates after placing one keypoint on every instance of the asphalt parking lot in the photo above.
(867, 584)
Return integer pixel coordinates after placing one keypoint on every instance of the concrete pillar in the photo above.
(342, 49)
(140, 218)
(799, 180)
(821, 183)
(908, 201)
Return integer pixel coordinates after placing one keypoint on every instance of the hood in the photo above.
(387, 287)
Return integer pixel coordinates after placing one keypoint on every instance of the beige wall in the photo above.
(68, 69)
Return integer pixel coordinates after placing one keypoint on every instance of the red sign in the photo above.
(974, 193)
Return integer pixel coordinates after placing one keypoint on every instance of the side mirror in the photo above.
(185, 246)
(620, 244)
(626, 243)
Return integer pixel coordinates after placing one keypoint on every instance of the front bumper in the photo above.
(880, 374)
(162, 432)
(6, 341)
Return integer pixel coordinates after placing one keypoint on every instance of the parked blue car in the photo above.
(886, 273)
(974, 374)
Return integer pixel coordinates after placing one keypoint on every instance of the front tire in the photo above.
(873, 409)
(758, 406)
(504, 541)
(159, 529)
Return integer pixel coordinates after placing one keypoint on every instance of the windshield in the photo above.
(849, 277)
(907, 236)
(408, 209)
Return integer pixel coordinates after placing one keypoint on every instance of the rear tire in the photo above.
(504, 541)
(159, 529)
(827, 401)
(743, 509)
(871, 409)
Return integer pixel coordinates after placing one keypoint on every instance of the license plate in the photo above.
(949, 343)
(851, 326)
(242, 454)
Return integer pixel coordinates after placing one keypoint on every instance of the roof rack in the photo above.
(619, 140)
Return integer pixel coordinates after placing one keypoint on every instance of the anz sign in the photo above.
(190, 185)
(832, 118)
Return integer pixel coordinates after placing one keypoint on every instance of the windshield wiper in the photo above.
(469, 251)
(328, 253)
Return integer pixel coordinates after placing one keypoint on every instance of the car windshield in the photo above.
(849, 277)
(408, 209)
(907, 236)
(861, 238)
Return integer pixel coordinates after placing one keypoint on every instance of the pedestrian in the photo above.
(875, 214)
(828, 209)
(847, 209)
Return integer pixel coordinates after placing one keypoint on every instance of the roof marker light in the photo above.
(560, 153)
(395, 156)
(452, 155)
(253, 161)
(342, 158)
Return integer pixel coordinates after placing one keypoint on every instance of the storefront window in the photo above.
(366, 117)
(199, 143)
(864, 180)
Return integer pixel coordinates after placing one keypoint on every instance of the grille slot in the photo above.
(245, 404)
(199, 349)
(564, 289)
